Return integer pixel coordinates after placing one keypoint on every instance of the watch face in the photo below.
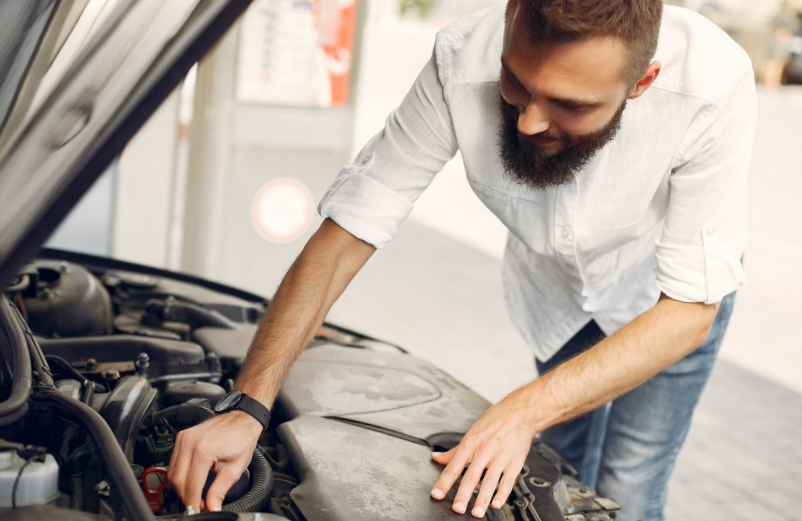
(228, 401)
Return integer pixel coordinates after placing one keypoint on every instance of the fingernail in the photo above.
(478, 512)
(437, 493)
(496, 504)
(459, 508)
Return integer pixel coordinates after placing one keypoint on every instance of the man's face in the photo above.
(559, 102)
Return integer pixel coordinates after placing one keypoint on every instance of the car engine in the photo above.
(123, 357)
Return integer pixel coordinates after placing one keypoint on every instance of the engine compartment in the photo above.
(151, 352)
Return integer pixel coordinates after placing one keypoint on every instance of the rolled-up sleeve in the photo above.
(374, 194)
(703, 241)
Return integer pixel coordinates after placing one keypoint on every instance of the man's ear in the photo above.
(646, 80)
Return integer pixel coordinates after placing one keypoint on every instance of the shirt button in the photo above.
(566, 234)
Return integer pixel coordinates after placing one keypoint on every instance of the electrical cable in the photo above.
(67, 367)
(20, 302)
(39, 366)
(16, 482)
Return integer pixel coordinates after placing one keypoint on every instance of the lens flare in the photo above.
(282, 210)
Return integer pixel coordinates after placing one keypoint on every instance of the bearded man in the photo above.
(613, 140)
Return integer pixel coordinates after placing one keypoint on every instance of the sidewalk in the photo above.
(743, 458)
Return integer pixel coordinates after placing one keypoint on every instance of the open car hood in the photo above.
(69, 108)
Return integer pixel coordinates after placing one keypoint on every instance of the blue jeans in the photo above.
(626, 450)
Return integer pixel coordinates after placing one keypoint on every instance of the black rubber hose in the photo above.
(87, 385)
(122, 477)
(17, 403)
(262, 483)
(193, 314)
(64, 365)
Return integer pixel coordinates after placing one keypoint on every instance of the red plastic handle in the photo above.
(154, 483)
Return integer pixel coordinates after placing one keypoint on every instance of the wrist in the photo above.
(257, 389)
(243, 418)
(539, 406)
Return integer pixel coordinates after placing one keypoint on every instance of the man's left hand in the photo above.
(496, 445)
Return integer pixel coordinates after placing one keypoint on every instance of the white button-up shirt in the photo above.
(661, 208)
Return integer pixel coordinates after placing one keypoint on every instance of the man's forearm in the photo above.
(313, 283)
(649, 344)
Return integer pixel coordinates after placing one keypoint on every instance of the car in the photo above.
(103, 361)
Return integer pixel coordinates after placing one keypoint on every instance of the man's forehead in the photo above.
(591, 69)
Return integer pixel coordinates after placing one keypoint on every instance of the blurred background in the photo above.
(223, 182)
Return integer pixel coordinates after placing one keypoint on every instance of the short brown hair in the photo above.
(637, 22)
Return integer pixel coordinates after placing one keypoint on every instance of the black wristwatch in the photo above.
(237, 401)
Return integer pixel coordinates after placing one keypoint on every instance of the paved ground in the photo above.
(743, 459)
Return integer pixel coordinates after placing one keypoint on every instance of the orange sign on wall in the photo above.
(338, 44)
(297, 52)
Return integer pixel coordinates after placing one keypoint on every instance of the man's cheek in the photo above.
(575, 129)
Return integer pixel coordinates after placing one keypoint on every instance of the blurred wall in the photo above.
(236, 148)
(89, 226)
(145, 188)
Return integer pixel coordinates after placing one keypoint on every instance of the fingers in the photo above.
(449, 476)
(227, 475)
(470, 481)
(489, 484)
(179, 464)
(229, 439)
(506, 485)
(487, 463)
(196, 476)
(443, 457)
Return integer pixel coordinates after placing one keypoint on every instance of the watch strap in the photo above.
(254, 408)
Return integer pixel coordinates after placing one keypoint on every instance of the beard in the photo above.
(526, 162)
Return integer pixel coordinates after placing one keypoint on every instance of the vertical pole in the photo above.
(211, 135)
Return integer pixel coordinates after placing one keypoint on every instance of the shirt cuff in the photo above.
(366, 208)
(705, 272)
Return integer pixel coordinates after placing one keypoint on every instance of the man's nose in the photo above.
(532, 120)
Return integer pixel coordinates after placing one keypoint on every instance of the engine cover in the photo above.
(391, 391)
(362, 428)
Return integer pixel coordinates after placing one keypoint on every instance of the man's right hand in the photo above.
(224, 444)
